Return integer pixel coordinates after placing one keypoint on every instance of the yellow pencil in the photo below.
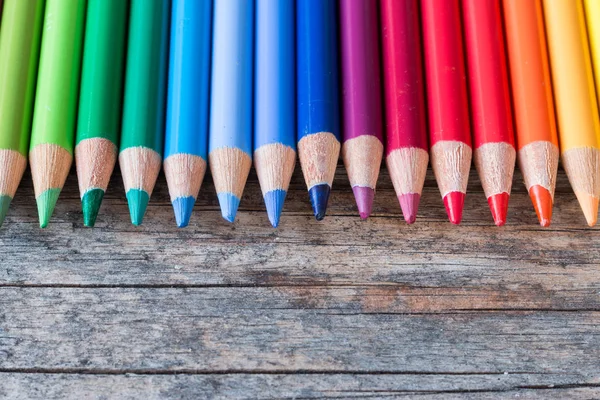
(575, 97)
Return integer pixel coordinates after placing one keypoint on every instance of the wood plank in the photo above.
(283, 329)
(277, 386)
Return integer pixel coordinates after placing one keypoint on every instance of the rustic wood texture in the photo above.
(343, 308)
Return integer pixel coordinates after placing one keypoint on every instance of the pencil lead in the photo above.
(45, 205)
(589, 206)
(4, 204)
(183, 207)
(274, 202)
(409, 203)
(542, 202)
(138, 202)
(319, 197)
(499, 207)
(90, 204)
(364, 200)
(229, 205)
(454, 203)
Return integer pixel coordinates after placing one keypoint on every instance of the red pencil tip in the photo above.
(542, 202)
(364, 200)
(499, 207)
(410, 205)
(454, 202)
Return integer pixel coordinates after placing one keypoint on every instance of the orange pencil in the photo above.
(537, 137)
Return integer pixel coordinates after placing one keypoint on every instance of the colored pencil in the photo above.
(230, 135)
(448, 102)
(318, 98)
(275, 102)
(493, 132)
(144, 102)
(406, 153)
(186, 142)
(575, 100)
(363, 127)
(53, 131)
(19, 43)
(100, 101)
(537, 138)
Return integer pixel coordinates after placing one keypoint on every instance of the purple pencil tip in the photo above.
(364, 200)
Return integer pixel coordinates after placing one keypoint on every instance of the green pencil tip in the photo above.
(138, 201)
(90, 204)
(45, 205)
(4, 204)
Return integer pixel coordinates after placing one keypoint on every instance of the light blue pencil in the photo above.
(230, 134)
(275, 102)
(186, 138)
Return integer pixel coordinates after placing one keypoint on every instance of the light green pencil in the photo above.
(53, 133)
(19, 46)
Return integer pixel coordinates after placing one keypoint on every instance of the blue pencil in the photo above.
(275, 102)
(230, 135)
(318, 98)
(186, 139)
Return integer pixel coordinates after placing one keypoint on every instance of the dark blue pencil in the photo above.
(318, 99)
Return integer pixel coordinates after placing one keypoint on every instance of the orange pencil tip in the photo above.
(499, 207)
(454, 203)
(542, 202)
(589, 206)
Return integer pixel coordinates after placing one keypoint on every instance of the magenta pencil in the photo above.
(405, 115)
(363, 126)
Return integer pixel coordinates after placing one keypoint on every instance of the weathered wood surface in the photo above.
(339, 309)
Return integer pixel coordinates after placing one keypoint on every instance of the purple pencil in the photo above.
(363, 127)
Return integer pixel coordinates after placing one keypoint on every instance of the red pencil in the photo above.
(493, 136)
(449, 125)
(407, 156)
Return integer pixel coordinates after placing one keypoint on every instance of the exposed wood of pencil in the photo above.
(362, 158)
(451, 162)
(274, 165)
(140, 167)
(50, 165)
(582, 165)
(407, 167)
(184, 173)
(229, 168)
(538, 162)
(12, 166)
(95, 160)
(319, 154)
(495, 163)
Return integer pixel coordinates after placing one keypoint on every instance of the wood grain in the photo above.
(305, 311)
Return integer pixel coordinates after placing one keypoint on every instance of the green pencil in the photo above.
(100, 101)
(144, 105)
(51, 148)
(19, 47)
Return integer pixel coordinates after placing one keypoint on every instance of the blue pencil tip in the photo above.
(274, 201)
(229, 205)
(183, 206)
(319, 196)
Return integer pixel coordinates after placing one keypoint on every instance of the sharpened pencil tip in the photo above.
(454, 203)
(319, 197)
(364, 200)
(4, 204)
(589, 206)
(542, 202)
(138, 202)
(90, 204)
(409, 203)
(229, 205)
(183, 207)
(499, 207)
(274, 202)
(45, 205)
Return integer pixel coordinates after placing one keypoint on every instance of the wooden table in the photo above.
(337, 309)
